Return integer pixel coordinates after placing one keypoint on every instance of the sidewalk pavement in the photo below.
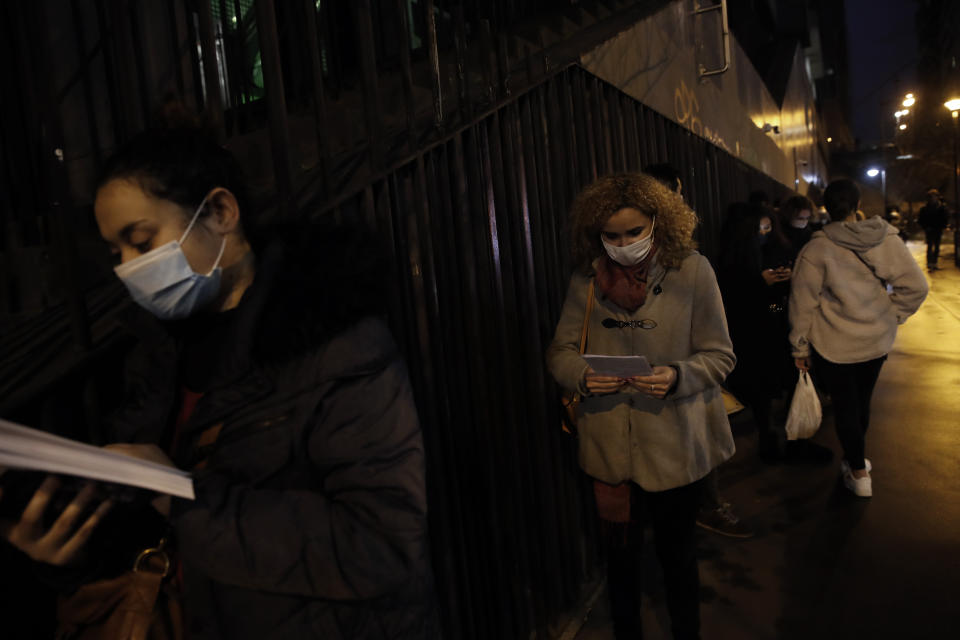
(824, 564)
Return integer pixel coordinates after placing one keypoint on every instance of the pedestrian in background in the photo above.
(647, 441)
(933, 219)
(843, 320)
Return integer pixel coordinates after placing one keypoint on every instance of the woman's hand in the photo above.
(64, 541)
(150, 453)
(803, 364)
(657, 385)
(603, 384)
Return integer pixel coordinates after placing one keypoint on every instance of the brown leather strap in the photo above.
(586, 317)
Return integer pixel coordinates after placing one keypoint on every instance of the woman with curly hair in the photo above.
(647, 441)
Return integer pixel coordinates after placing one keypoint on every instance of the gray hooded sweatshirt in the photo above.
(853, 283)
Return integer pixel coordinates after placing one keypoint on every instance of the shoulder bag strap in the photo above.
(586, 317)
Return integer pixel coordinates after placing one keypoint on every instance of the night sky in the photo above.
(882, 52)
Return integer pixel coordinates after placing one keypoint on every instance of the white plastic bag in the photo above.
(805, 412)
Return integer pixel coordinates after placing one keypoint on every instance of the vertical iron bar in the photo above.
(136, 45)
(110, 73)
(121, 67)
(276, 102)
(463, 72)
(319, 95)
(175, 52)
(368, 71)
(241, 71)
(432, 44)
(53, 173)
(213, 101)
(503, 64)
(406, 75)
(488, 55)
(95, 145)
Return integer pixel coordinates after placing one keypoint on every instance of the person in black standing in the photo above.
(715, 513)
(795, 218)
(933, 219)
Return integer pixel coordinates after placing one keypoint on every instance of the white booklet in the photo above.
(619, 366)
(29, 449)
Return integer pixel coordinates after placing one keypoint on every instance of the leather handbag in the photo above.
(571, 400)
(139, 604)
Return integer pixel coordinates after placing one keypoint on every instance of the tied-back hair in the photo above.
(841, 198)
(177, 159)
(675, 221)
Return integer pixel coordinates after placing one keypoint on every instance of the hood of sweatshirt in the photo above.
(859, 236)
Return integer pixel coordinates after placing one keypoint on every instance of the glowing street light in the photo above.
(953, 104)
(873, 172)
(902, 127)
(909, 101)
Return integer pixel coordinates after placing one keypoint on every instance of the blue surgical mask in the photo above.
(163, 282)
(632, 253)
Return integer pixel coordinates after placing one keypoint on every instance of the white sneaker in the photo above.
(845, 466)
(861, 487)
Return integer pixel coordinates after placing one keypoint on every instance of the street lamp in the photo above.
(872, 173)
(953, 104)
(909, 101)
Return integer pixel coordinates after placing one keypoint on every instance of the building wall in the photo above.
(657, 60)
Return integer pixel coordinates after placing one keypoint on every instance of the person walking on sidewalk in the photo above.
(647, 441)
(853, 284)
(933, 219)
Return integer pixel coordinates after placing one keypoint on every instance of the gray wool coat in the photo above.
(658, 444)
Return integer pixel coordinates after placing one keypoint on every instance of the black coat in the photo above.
(311, 518)
(757, 321)
(933, 218)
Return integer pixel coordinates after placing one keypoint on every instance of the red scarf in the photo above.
(625, 286)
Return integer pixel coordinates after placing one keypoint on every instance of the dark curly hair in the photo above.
(594, 205)
(794, 205)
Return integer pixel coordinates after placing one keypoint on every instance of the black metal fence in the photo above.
(476, 218)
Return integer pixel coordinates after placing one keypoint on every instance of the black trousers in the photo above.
(933, 245)
(850, 387)
(672, 515)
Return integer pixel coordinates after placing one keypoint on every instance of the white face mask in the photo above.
(632, 253)
(162, 281)
(799, 223)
